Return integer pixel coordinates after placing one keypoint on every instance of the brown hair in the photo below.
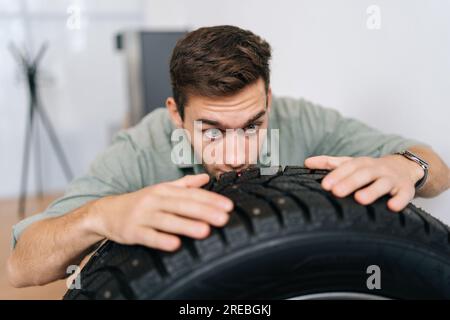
(217, 62)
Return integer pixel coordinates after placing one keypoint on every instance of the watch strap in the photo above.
(425, 166)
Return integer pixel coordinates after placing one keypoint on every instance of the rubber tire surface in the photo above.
(287, 237)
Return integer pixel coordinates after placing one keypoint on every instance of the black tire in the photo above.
(286, 238)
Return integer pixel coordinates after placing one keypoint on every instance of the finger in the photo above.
(401, 199)
(189, 180)
(170, 223)
(325, 162)
(343, 171)
(158, 240)
(358, 179)
(374, 191)
(204, 196)
(338, 174)
(193, 209)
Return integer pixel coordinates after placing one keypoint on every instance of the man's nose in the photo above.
(235, 159)
(237, 167)
(235, 151)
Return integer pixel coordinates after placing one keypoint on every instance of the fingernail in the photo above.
(173, 243)
(227, 205)
(201, 229)
(327, 184)
(221, 218)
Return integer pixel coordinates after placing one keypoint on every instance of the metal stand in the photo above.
(30, 68)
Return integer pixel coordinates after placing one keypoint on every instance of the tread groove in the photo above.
(159, 264)
(402, 219)
(121, 279)
(190, 247)
(222, 236)
(272, 206)
(426, 225)
(335, 203)
(371, 213)
(305, 209)
(246, 219)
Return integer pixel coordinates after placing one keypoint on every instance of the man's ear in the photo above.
(173, 112)
(269, 99)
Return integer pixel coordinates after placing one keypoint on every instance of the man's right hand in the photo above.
(155, 215)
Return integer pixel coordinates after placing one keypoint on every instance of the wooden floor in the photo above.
(8, 217)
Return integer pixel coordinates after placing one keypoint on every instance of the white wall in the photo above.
(396, 78)
(83, 82)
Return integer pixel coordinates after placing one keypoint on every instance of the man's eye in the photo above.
(212, 134)
(251, 129)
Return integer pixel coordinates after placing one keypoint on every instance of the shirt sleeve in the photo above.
(335, 135)
(117, 170)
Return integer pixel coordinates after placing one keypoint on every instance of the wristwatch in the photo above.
(411, 156)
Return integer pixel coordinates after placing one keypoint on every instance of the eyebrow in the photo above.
(218, 124)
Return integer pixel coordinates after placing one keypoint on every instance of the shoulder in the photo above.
(153, 132)
(286, 107)
(297, 110)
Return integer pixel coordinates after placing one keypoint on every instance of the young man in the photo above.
(136, 192)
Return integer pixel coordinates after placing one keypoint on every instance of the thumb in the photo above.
(195, 181)
(325, 162)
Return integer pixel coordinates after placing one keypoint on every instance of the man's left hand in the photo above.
(371, 178)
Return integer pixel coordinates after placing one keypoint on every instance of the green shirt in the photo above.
(141, 156)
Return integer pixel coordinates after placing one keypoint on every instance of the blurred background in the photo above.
(385, 62)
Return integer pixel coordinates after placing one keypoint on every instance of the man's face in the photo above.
(228, 137)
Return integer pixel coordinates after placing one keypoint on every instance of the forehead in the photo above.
(248, 100)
